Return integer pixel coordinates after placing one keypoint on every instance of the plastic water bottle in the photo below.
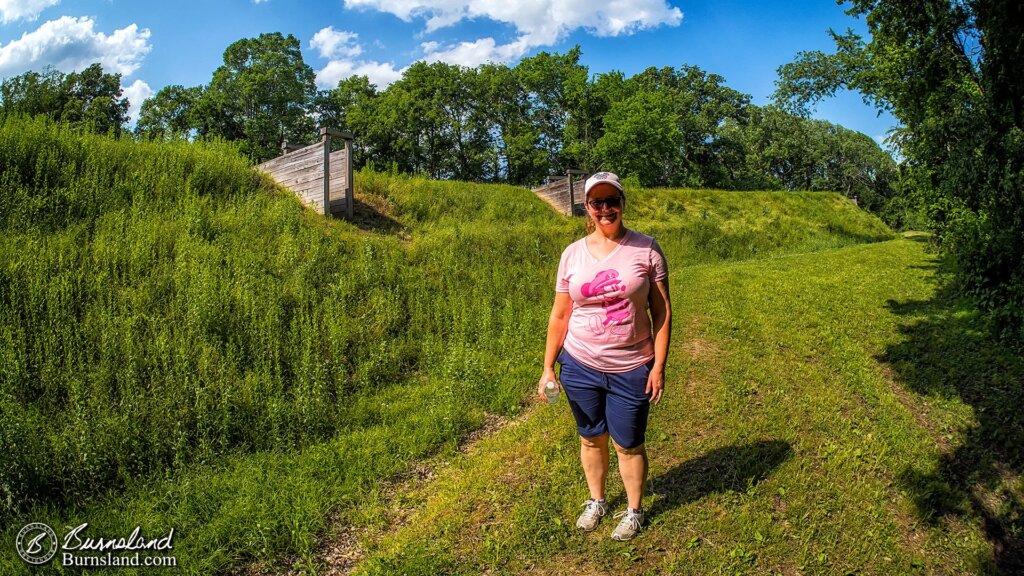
(551, 391)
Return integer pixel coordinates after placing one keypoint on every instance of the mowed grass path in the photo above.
(784, 445)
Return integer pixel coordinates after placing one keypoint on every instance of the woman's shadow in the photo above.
(728, 469)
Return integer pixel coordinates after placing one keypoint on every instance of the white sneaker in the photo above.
(594, 509)
(629, 526)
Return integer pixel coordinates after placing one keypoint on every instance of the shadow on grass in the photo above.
(861, 237)
(728, 469)
(367, 217)
(947, 352)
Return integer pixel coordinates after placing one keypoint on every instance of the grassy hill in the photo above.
(185, 346)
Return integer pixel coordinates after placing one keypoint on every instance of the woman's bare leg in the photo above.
(594, 456)
(633, 469)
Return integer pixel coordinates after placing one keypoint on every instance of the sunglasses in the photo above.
(601, 203)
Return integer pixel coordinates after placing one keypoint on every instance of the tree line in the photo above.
(494, 123)
(951, 73)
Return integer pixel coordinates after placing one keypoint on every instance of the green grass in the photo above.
(794, 438)
(185, 346)
(183, 342)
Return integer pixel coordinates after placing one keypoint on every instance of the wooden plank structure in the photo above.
(322, 179)
(564, 193)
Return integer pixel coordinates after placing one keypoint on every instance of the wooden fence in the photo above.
(564, 193)
(321, 178)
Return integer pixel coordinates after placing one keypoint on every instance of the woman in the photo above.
(612, 356)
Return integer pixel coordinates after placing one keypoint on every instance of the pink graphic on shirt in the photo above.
(617, 311)
(604, 282)
(607, 285)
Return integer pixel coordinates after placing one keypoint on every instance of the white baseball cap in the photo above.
(602, 178)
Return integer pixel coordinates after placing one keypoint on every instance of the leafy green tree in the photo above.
(351, 106)
(517, 155)
(262, 94)
(588, 105)
(797, 153)
(433, 121)
(779, 146)
(89, 99)
(641, 138)
(950, 73)
(379, 129)
(34, 94)
(703, 106)
(460, 106)
(332, 106)
(854, 165)
(555, 86)
(170, 113)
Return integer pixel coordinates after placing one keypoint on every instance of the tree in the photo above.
(332, 106)
(434, 121)
(703, 106)
(588, 105)
(89, 99)
(170, 113)
(797, 153)
(517, 154)
(950, 73)
(555, 86)
(351, 106)
(642, 139)
(855, 166)
(262, 94)
(777, 147)
(452, 98)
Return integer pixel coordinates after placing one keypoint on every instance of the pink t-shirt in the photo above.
(609, 329)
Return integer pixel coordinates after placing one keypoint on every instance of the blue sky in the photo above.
(155, 44)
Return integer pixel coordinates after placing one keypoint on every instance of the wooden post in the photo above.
(326, 132)
(325, 137)
(350, 189)
(572, 191)
(287, 147)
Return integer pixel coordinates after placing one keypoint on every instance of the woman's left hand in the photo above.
(655, 384)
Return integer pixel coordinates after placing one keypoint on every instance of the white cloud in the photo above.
(14, 10)
(473, 54)
(381, 74)
(333, 43)
(341, 49)
(538, 22)
(71, 44)
(136, 94)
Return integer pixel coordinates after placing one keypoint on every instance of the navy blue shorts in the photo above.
(601, 402)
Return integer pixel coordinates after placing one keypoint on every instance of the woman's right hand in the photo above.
(548, 376)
